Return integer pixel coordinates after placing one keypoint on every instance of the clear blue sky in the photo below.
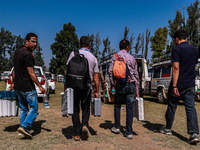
(109, 17)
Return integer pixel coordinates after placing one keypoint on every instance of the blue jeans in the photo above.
(27, 98)
(188, 96)
(127, 93)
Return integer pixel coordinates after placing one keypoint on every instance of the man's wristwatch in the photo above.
(174, 86)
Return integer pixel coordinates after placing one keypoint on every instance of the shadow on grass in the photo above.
(37, 127)
(108, 125)
(156, 128)
(69, 132)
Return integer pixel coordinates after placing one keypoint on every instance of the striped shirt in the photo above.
(132, 67)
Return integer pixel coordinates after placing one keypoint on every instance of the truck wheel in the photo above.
(53, 92)
(161, 98)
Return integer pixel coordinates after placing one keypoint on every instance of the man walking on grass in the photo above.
(125, 90)
(23, 83)
(184, 58)
(83, 95)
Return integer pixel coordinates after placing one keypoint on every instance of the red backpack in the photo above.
(120, 69)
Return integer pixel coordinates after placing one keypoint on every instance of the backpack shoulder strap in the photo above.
(76, 52)
(119, 58)
(116, 56)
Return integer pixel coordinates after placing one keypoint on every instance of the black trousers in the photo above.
(83, 97)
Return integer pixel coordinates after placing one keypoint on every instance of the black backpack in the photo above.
(77, 76)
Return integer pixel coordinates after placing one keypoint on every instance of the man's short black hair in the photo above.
(29, 35)
(123, 44)
(84, 41)
(180, 34)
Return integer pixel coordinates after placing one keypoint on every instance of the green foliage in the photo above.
(193, 23)
(97, 43)
(39, 60)
(91, 37)
(142, 44)
(65, 42)
(174, 25)
(159, 42)
(138, 45)
(131, 39)
(147, 42)
(177, 24)
(53, 65)
(18, 41)
(8, 45)
(126, 31)
(107, 48)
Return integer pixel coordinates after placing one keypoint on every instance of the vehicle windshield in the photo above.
(197, 70)
(6, 74)
(37, 72)
(48, 75)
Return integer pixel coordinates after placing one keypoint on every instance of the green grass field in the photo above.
(51, 129)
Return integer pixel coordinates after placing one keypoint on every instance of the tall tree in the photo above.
(147, 42)
(174, 25)
(39, 60)
(159, 42)
(138, 45)
(53, 65)
(91, 37)
(97, 43)
(193, 23)
(18, 41)
(107, 48)
(131, 43)
(65, 42)
(177, 24)
(6, 43)
(131, 39)
(142, 44)
(126, 31)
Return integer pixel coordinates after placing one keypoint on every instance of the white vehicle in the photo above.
(161, 74)
(51, 80)
(41, 78)
(5, 75)
(143, 74)
(60, 78)
(197, 80)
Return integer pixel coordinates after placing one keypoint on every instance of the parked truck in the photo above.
(161, 74)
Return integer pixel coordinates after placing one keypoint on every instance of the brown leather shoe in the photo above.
(85, 133)
(76, 138)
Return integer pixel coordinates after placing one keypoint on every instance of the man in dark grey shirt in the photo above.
(184, 59)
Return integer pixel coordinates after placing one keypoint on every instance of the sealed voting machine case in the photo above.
(67, 102)
(96, 106)
(138, 108)
(8, 104)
